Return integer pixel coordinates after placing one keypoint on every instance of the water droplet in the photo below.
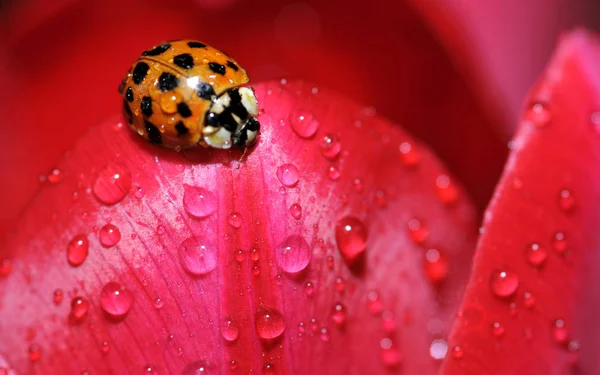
(418, 232)
(351, 237)
(309, 288)
(436, 266)
(447, 191)
(112, 184)
(528, 300)
(303, 123)
(200, 367)
(358, 185)
(197, 257)
(536, 255)
(77, 250)
(255, 254)
(560, 242)
(497, 329)
(338, 315)
(390, 355)
(566, 200)
(35, 352)
(457, 352)
(5, 267)
(268, 369)
(389, 323)
(116, 300)
(109, 235)
(160, 230)
(333, 173)
(58, 296)
(139, 192)
(438, 349)
(538, 115)
(330, 146)
(324, 335)
(288, 174)
(374, 304)
(235, 219)
(408, 155)
(239, 255)
(504, 283)
(340, 285)
(230, 329)
(296, 211)
(233, 365)
(54, 176)
(198, 201)
(293, 254)
(270, 323)
(381, 198)
(79, 309)
(559, 332)
(595, 120)
(105, 347)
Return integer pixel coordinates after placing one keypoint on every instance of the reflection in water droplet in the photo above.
(504, 283)
(197, 257)
(109, 235)
(330, 146)
(77, 250)
(438, 349)
(324, 335)
(303, 123)
(536, 255)
(116, 300)
(230, 329)
(269, 322)
(293, 254)
(159, 303)
(198, 201)
(112, 184)
(340, 285)
(288, 174)
(268, 369)
(235, 219)
(105, 347)
(351, 237)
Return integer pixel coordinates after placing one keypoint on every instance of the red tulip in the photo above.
(338, 245)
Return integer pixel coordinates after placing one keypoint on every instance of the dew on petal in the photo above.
(324, 335)
(293, 254)
(296, 211)
(504, 283)
(5, 267)
(595, 121)
(79, 309)
(199, 202)
(235, 219)
(559, 242)
(438, 349)
(528, 300)
(381, 198)
(436, 266)
(77, 250)
(255, 254)
(288, 175)
(270, 323)
(390, 355)
(374, 304)
(197, 257)
(303, 123)
(309, 288)
(538, 115)
(330, 146)
(497, 329)
(109, 235)
(566, 200)
(389, 323)
(417, 231)
(333, 173)
(57, 296)
(35, 352)
(112, 184)
(105, 347)
(338, 315)
(536, 255)
(559, 332)
(351, 237)
(408, 155)
(340, 285)
(116, 300)
(457, 352)
(54, 176)
(199, 367)
(230, 329)
(446, 190)
(268, 369)
(239, 255)
(160, 230)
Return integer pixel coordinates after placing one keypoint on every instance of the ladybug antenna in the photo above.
(242, 157)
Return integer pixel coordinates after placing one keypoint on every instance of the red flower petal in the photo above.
(531, 299)
(246, 274)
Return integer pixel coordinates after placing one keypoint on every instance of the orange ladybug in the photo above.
(184, 93)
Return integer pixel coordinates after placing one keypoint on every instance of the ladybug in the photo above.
(185, 93)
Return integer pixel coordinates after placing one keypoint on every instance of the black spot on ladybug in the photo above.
(253, 125)
(129, 94)
(184, 110)
(232, 65)
(240, 139)
(146, 106)
(217, 68)
(181, 129)
(157, 50)
(236, 106)
(153, 133)
(167, 82)
(139, 72)
(185, 61)
(205, 90)
(196, 45)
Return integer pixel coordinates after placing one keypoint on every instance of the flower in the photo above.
(339, 244)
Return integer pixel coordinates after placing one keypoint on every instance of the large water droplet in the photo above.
(293, 254)
(112, 184)
(436, 266)
(536, 255)
(197, 257)
(109, 235)
(230, 329)
(198, 201)
(330, 146)
(235, 219)
(116, 300)
(504, 283)
(538, 115)
(77, 250)
(351, 237)
(270, 323)
(79, 309)
(303, 123)
(287, 174)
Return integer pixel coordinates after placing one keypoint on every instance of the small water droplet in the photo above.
(330, 146)
(457, 352)
(77, 250)
(296, 211)
(408, 155)
(293, 254)
(5, 267)
(309, 288)
(235, 219)
(109, 235)
(35, 352)
(389, 323)
(358, 185)
(528, 300)
(303, 123)
(112, 184)
(595, 120)
(390, 355)
(255, 254)
(338, 315)
(79, 309)
(54, 176)
(438, 349)
(198, 201)
(105, 347)
(116, 300)
(374, 304)
(351, 237)
(497, 329)
(340, 285)
(239, 255)
(447, 191)
(139, 192)
(199, 367)
(536, 255)
(333, 173)
(159, 303)
(58, 296)
(559, 243)
(269, 322)
(381, 198)
(197, 257)
(288, 174)
(268, 369)
(418, 232)
(436, 266)
(160, 230)
(538, 115)
(566, 200)
(230, 329)
(324, 335)
(504, 283)
(559, 331)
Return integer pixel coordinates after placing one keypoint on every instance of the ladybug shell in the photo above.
(169, 89)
